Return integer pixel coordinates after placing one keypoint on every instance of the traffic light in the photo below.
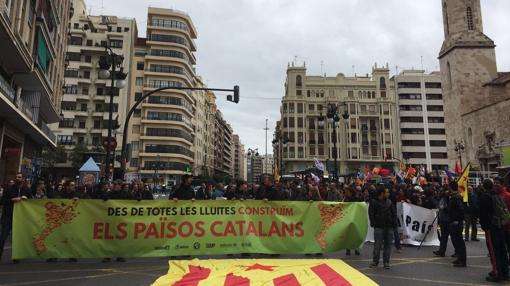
(235, 97)
(236, 94)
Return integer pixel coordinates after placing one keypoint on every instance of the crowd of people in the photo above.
(487, 205)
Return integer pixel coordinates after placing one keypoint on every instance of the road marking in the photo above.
(426, 280)
(86, 270)
(63, 279)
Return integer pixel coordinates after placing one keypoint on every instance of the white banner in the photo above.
(413, 223)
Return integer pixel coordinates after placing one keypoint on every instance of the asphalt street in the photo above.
(410, 267)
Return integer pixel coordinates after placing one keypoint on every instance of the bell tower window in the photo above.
(469, 15)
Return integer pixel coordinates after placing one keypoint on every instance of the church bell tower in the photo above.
(468, 61)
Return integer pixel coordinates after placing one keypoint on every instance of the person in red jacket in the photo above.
(503, 192)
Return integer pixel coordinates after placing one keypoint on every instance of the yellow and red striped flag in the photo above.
(252, 272)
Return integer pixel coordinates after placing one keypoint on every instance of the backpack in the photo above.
(501, 217)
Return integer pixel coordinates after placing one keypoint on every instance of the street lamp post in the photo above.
(333, 119)
(118, 80)
(252, 153)
(459, 148)
(123, 156)
(280, 142)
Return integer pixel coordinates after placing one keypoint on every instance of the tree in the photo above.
(50, 156)
(76, 156)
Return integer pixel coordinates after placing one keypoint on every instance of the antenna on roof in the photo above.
(322, 67)
(102, 7)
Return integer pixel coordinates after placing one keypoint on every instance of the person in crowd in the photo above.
(242, 192)
(120, 191)
(494, 232)
(443, 221)
(14, 193)
(471, 210)
(218, 192)
(383, 219)
(202, 193)
(456, 221)
(139, 192)
(267, 191)
(185, 190)
(69, 191)
(40, 191)
(230, 192)
(333, 194)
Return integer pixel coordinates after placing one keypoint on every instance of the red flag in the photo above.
(458, 168)
(411, 172)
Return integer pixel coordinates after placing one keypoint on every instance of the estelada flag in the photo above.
(253, 272)
(462, 183)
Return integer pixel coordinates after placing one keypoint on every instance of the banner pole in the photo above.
(428, 231)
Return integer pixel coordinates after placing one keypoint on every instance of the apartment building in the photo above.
(33, 39)
(254, 168)
(268, 164)
(163, 135)
(367, 138)
(421, 114)
(224, 148)
(86, 100)
(239, 159)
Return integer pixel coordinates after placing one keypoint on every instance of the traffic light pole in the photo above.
(123, 155)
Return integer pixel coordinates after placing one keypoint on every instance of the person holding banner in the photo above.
(185, 191)
(13, 194)
(443, 221)
(383, 219)
(456, 219)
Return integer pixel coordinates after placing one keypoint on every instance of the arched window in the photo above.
(299, 82)
(470, 23)
(382, 82)
(449, 74)
(470, 137)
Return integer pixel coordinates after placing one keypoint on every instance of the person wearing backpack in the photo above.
(505, 195)
(493, 218)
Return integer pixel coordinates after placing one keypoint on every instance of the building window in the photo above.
(449, 74)
(116, 43)
(291, 122)
(300, 122)
(387, 124)
(96, 141)
(291, 107)
(409, 85)
(311, 107)
(432, 85)
(140, 66)
(97, 124)
(88, 58)
(311, 123)
(139, 81)
(382, 82)
(134, 163)
(470, 23)
(299, 108)
(299, 81)
(354, 138)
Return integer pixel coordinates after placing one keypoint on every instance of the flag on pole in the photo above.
(276, 174)
(462, 183)
(458, 168)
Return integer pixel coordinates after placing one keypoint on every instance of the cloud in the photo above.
(250, 42)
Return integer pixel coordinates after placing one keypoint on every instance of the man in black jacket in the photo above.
(11, 195)
(456, 219)
(444, 221)
(266, 190)
(185, 191)
(495, 236)
(383, 219)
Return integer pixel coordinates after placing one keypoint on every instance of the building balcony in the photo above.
(411, 113)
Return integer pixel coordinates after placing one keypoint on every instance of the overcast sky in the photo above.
(250, 42)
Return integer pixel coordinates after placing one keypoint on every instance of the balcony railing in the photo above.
(6, 89)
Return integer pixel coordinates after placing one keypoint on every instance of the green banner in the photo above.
(96, 228)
